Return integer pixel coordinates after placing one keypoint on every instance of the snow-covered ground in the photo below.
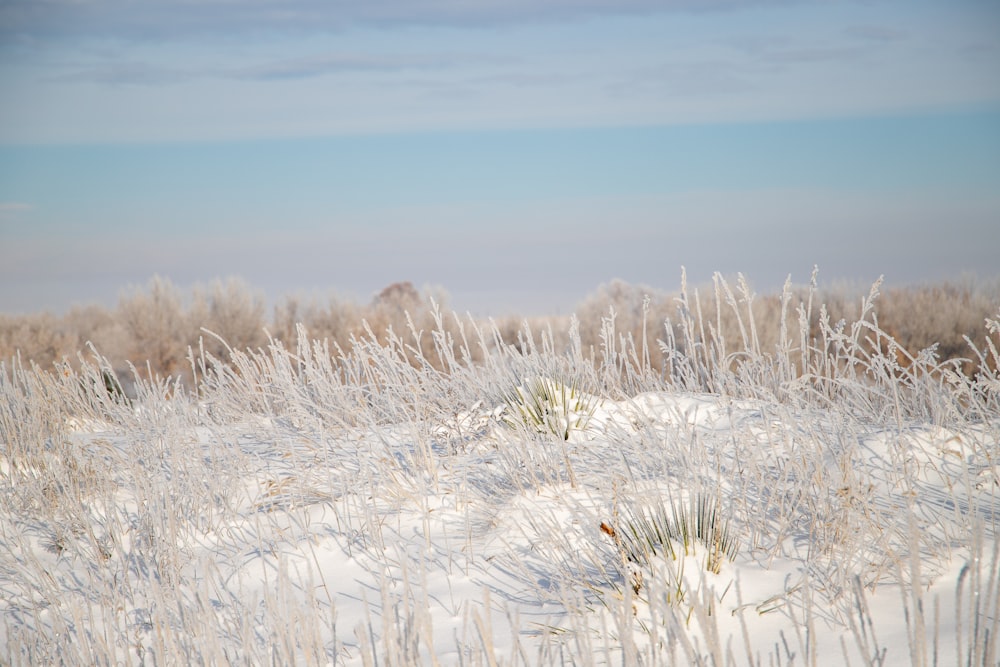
(381, 509)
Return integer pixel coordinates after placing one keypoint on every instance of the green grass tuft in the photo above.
(548, 406)
(659, 530)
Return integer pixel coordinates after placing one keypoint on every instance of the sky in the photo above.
(515, 154)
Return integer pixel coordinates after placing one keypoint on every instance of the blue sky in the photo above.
(517, 154)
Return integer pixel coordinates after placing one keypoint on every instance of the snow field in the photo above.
(388, 506)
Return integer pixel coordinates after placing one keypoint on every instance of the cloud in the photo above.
(113, 70)
(10, 214)
(14, 207)
(784, 50)
(166, 19)
(875, 33)
(705, 78)
(118, 72)
(337, 63)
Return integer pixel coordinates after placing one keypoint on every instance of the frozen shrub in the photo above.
(510, 330)
(945, 314)
(157, 327)
(639, 314)
(97, 325)
(231, 311)
(336, 321)
(392, 306)
(399, 311)
(39, 338)
(740, 321)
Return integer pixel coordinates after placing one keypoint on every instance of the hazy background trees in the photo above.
(157, 327)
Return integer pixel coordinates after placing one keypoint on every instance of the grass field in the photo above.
(441, 495)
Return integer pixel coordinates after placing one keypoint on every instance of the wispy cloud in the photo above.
(118, 72)
(306, 67)
(703, 78)
(875, 33)
(786, 50)
(14, 207)
(178, 18)
(11, 214)
(113, 70)
(339, 63)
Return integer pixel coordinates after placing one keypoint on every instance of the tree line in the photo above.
(157, 327)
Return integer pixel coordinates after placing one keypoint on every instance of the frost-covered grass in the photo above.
(833, 499)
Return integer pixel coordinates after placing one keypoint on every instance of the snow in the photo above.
(427, 528)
